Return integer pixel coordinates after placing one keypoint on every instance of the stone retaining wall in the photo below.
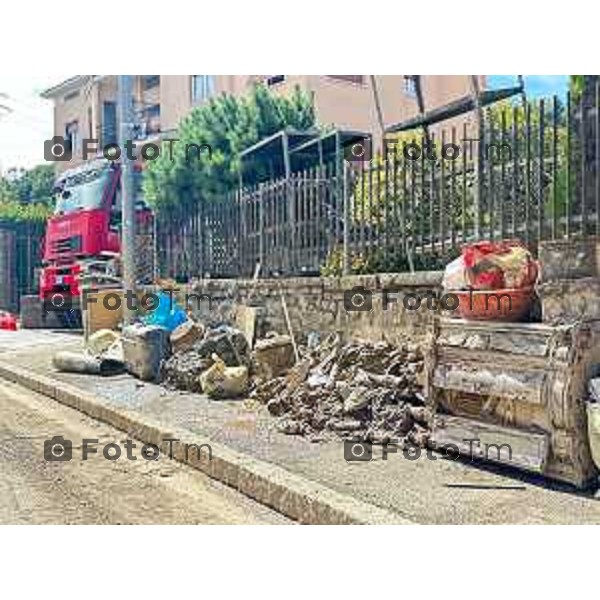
(320, 304)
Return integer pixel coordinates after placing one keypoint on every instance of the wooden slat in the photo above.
(528, 449)
(522, 385)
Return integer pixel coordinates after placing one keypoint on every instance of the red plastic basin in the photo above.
(494, 305)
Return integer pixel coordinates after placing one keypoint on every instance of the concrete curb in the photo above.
(294, 496)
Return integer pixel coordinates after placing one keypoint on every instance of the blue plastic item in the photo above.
(167, 314)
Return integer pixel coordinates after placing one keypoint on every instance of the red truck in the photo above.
(82, 238)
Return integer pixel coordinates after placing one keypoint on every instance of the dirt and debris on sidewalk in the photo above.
(366, 391)
(356, 389)
(316, 388)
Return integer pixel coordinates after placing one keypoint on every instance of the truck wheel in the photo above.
(70, 319)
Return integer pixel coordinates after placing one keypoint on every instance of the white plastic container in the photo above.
(593, 418)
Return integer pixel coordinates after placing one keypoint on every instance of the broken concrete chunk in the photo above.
(347, 425)
(273, 356)
(115, 352)
(275, 406)
(100, 341)
(144, 349)
(183, 371)
(356, 400)
(228, 343)
(290, 427)
(221, 381)
(318, 379)
(184, 336)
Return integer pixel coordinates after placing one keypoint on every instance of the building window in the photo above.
(203, 87)
(410, 86)
(274, 79)
(109, 123)
(150, 81)
(358, 79)
(152, 119)
(152, 111)
(72, 136)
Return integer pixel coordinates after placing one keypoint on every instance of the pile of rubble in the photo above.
(359, 390)
(183, 370)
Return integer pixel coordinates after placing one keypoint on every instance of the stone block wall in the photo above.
(569, 286)
(321, 304)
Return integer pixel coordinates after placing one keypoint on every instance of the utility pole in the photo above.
(378, 108)
(128, 233)
(421, 104)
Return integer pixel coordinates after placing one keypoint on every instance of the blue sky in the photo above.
(535, 85)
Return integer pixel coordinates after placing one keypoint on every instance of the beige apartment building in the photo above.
(85, 105)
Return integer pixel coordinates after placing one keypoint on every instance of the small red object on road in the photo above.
(8, 321)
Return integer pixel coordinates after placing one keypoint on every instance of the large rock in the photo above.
(144, 349)
(186, 335)
(273, 356)
(183, 371)
(100, 341)
(221, 381)
(228, 343)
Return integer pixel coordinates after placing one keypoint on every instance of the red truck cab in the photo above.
(85, 226)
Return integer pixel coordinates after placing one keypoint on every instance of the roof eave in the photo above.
(64, 87)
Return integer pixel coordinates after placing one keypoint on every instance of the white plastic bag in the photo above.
(455, 275)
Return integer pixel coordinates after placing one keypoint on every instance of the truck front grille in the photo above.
(68, 245)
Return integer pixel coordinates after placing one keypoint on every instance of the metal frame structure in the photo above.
(329, 144)
(455, 108)
(290, 144)
(279, 144)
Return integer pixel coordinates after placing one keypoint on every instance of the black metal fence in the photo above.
(530, 172)
(288, 226)
(21, 248)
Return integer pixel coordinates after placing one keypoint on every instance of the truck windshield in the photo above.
(82, 191)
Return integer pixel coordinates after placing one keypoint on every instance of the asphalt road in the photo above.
(24, 339)
(97, 491)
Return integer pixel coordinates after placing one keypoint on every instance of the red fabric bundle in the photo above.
(497, 265)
